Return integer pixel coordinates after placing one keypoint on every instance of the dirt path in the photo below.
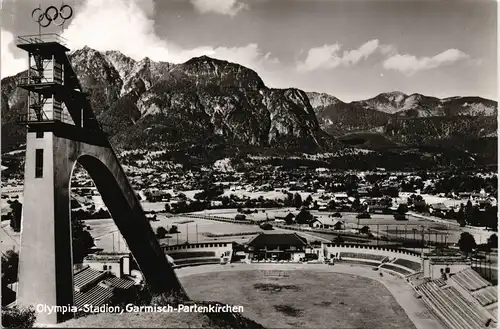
(402, 292)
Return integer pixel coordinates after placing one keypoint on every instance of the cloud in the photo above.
(354, 56)
(122, 25)
(328, 56)
(223, 7)
(409, 64)
(250, 55)
(127, 26)
(10, 64)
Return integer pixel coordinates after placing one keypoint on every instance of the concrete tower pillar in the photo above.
(45, 260)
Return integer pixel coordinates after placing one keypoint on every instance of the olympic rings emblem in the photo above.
(52, 14)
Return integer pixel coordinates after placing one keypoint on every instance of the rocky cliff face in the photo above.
(203, 102)
(322, 99)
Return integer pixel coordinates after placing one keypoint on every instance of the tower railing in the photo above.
(31, 118)
(41, 38)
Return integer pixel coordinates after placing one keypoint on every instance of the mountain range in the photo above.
(207, 105)
(408, 119)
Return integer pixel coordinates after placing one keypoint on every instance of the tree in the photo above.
(289, 219)
(364, 230)
(450, 214)
(82, 240)
(468, 207)
(179, 207)
(10, 263)
(209, 193)
(402, 208)
(460, 215)
(173, 229)
(225, 201)
(149, 196)
(356, 204)
(266, 226)
(167, 207)
(392, 192)
(469, 212)
(15, 219)
(466, 242)
(297, 200)
(304, 217)
(493, 241)
(491, 218)
(137, 295)
(18, 317)
(307, 202)
(161, 232)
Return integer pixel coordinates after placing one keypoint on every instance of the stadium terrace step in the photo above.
(96, 296)
(360, 262)
(191, 254)
(196, 261)
(439, 282)
(355, 255)
(414, 266)
(470, 310)
(86, 278)
(442, 311)
(396, 269)
(453, 308)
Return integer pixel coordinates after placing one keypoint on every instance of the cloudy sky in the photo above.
(352, 49)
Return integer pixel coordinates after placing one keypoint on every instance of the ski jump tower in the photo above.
(62, 130)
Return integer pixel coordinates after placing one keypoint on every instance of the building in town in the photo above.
(327, 223)
(116, 263)
(443, 264)
(288, 218)
(275, 246)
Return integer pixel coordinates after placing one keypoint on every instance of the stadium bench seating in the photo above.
(470, 280)
(487, 295)
(454, 309)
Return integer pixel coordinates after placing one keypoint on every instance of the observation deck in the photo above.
(48, 42)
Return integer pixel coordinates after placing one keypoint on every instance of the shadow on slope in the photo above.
(164, 320)
(368, 140)
(177, 318)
